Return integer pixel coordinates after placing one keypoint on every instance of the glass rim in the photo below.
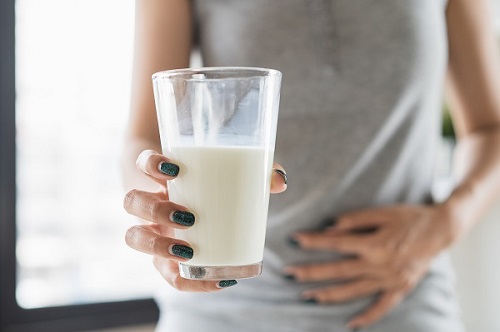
(179, 73)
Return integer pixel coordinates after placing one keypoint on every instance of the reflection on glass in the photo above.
(70, 123)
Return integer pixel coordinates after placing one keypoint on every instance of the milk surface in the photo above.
(227, 189)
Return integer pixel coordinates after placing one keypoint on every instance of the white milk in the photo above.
(227, 189)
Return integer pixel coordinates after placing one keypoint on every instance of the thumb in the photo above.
(279, 179)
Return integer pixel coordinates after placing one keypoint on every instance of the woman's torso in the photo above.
(358, 127)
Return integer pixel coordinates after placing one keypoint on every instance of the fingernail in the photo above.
(183, 218)
(310, 300)
(169, 169)
(330, 222)
(294, 243)
(181, 251)
(366, 230)
(226, 283)
(290, 277)
(282, 174)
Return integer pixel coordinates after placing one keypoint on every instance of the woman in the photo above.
(356, 242)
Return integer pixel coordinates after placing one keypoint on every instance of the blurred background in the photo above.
(73, 61)
(73, 67)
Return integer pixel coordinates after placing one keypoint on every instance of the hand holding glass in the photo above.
(219, 126)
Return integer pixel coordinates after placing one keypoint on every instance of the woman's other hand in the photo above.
(392, 249)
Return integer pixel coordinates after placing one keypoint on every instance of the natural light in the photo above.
(73, 80)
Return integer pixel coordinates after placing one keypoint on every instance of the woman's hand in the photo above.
(156, 237)
(392, 248)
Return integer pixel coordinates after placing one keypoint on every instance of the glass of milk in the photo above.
(219, 125)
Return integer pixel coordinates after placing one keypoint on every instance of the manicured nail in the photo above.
(226, 283)
(329, 223)
(366, 230)
(181, 251)
(282, 174)
(169, 169)
(294, 243)
(183, 218)
(310, 300)
(290, 277)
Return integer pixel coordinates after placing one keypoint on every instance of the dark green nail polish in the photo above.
(365, 230)
(294, 243)
(282, 174)
(290, 277)
(182, 251)
(183, 218)
(169, 169)
(328, 223)
(311, 300)
(227, 283)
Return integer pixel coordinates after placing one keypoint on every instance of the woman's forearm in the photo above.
(477, 174)
(163, 38)
(473, 83)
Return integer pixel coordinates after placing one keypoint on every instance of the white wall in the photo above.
(476, 261)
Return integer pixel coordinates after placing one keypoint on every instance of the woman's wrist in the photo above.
(455, 216)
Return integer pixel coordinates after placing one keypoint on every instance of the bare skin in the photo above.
(391, 260)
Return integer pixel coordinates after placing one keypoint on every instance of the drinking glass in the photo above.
(219, 125)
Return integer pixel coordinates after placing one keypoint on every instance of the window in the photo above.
(64, 80)
(64, 85)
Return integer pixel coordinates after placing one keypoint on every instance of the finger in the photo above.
(144, 238)
(342, 242)
(279, 179)
(153, 207)
(347, 292)
(157, 166)
(170, 272)
(381, 307)
(347, 269)
(362, 219)
(161, 230)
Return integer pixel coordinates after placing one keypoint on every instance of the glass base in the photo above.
(220, 272)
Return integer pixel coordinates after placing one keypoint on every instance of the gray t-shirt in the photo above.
(359, 127)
